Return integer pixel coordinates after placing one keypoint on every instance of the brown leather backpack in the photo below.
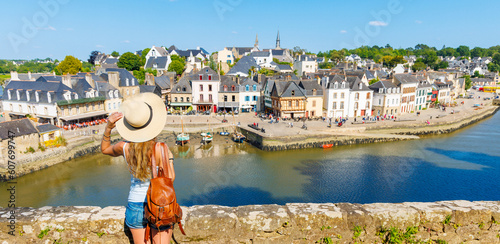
(161, 208)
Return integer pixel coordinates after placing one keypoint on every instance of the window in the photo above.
(175, 99)
(225, 88)
(336, 85)
(255, 98)
(247, 88)
(210, 97)
(254, 87)
(77, 109)
(289, 104)
(297, 103)
(247, 98)
(201, 77)
(28, 96)
(201, 87)
(233, 98)
(368, 95)
(116, 93)
(343, 84)
(183, 88)
(356, 96)
(225, 98)
(342, 95)
(360, 86)
(209, 77)
(86, 107)
(209, 87)
(109, 106)
(367, 105)
(187, 99)
(314, 103)
(126, 82)
(293, 92)
(334, 105)
(314, 92)
(62, 111)
(335, 95)
(356, 105)
(201, 97)
(128, 92)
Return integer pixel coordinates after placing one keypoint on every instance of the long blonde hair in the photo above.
(139, 159)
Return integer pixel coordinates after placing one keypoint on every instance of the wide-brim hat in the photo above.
(144, 117)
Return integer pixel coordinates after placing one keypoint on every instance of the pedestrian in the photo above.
(143, 118)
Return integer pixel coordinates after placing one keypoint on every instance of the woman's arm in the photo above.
(106, 147)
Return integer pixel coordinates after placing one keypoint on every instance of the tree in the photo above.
(468, 82)
(93, 56)
(87, 67)
(325, 65)
(129, 61)
(144, 53)
(477, 75)
(492, 67)
(463, 51)
(70, 65)
(477, 52)
(176, 66)
(115, 54)
(373, 81)
(496, 58)
(419, 66)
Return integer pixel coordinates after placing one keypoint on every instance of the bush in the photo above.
(40, 147)
(59, 141)
(30, 150)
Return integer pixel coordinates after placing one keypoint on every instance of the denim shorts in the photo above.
(134, 217)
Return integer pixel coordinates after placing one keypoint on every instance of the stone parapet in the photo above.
(441, 222)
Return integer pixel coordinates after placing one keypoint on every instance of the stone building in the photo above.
(25, 136)
(288, 99)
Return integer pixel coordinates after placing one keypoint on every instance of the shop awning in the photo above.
(45, 116)
(17, 113)
(85, 115)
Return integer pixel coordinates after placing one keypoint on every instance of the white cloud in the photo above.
(343, 31)
(126, 41)
(98, 45)
(378, 23)
(418, 21)
(51, 28)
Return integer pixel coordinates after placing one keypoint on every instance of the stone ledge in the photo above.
(451, 221)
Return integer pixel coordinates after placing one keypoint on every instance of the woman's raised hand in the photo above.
(113, 118)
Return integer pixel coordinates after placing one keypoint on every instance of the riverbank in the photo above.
(446, 221)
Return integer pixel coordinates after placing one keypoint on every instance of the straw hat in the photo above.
(144, 117)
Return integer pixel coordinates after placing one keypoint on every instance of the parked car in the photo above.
(192, 112)
(486, 98)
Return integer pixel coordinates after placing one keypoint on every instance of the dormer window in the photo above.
(18, 96)
(126, 82)
(96, 94)
(254, 87)
(201, 77)
(343, 85)
(10, 97)
(209, 77)
(76, 96)
(247, 88)
(134, 82)
(110, 93)
(116, 93)
(293, 92)
(37, 97)
(183, 88)
(27, 96)
(233, 88)
(336, 85)
(360, 85)
(178, 89)
(380, 90)
(225, 88)
(49, 98)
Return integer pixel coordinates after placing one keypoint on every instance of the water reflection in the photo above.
(455, 166)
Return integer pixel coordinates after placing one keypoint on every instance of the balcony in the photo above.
(205, 101)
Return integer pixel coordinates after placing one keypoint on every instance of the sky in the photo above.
(56, 28)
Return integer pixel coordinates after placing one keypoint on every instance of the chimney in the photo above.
(29, 75)
(149, 79)
(66, 80)
(14, 75)
(114, 79)
(88, 78)
(172, 82)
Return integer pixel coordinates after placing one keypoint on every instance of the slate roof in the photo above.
(47, 128)
(260, 54)
(310, 85)
(124, 75)
(111, 60)
(278, 52)
(20, 127)
(250, 82)
(160, 50)
(163, 82)
(285, 88)
(146, 88)
(34, 76)
(56, 90)
(243, 65)
(183, 83)
(333, 79)
(354, 84)
(204, 72)
(161, 63)
(104, 88)
(283, 67)
(228, 81)
(384, 84)
(405, 78)
(241, 50)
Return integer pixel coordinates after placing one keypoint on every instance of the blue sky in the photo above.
(56, 28)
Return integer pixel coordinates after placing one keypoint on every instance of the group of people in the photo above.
(85, 124)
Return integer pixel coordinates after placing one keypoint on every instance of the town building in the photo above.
(288, 99)
(181, 96)
(314, 95)
(386, 98)
(408, 86)
(205, 89)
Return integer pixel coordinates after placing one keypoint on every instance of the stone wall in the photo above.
(441, 222)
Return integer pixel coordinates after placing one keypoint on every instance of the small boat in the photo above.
(224, 133)
(182, 138)
(327, 145)
(238, 137)
(206, 138)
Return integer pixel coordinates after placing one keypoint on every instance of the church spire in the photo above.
(256, 45)
(278, 41)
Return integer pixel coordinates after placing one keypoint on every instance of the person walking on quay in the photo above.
(142, 119)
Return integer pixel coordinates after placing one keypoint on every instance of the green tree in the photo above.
(115, 54)
(477, 75)
(468, 82)
(70, 65)
(463, 51)
(496, 58)
(87, 67)
(419, 66)
(143, 55)
(129, 61)
(176, 66)
(325, 65)
(492, 67)
(373, 81)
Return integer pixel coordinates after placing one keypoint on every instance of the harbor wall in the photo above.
(441, 222)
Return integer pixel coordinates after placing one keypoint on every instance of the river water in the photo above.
(464, 165)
